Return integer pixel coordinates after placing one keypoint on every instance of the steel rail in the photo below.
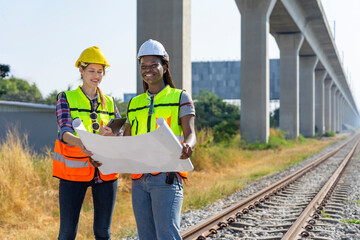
(213, 224)
(297, 230)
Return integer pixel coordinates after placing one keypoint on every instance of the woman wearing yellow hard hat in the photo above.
(72, 162)
(157, 197)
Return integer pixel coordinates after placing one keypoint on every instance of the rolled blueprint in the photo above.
(156, 151)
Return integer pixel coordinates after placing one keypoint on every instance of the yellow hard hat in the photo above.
(91, 55)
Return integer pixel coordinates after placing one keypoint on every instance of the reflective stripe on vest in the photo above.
(166, 105)
(80, 107)
(69, 162)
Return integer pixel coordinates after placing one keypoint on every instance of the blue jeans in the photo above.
(71, 197)
(157, 207)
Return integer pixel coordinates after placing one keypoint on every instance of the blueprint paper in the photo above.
(157, 151)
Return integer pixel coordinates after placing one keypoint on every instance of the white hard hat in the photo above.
(152, 47)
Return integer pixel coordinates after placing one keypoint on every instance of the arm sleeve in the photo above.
(63, 116)
(186, 105)
(117, 113)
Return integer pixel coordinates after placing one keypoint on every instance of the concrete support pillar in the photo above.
(169, 23)
(307, 95)
(333, 107)
(289, 45)
(342, 111)
(350, 116)
(346, 113)
(338, 99)
(327, 91)
(353, 116)
(254, 88)
(342, 104)
(320, 101)
(355, 120)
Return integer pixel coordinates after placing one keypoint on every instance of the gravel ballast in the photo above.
(342, 230)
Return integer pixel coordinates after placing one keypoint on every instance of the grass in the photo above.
(355, 221)
(29, 194)
(324, 214)
(24, 192)
(357, 202)
(329, 134)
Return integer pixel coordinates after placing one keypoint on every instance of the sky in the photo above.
(41, 39)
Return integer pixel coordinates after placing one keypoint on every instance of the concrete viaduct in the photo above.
(314, 92)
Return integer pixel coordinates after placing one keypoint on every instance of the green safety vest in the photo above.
(80, 107)
(166, 104)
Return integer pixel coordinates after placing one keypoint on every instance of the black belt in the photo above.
(170, 177)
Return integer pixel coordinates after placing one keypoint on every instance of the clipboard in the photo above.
(115, 124)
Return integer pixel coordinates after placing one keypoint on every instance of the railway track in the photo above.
(288, 209)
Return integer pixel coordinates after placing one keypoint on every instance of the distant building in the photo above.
(223, 78)
(37, 121)
(128, 96)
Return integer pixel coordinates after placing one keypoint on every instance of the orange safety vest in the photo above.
(70, 163)
(166, 105)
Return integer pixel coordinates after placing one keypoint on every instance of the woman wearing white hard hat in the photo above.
(72, 162)
(157, 197)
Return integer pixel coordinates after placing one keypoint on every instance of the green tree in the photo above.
(274, 118)
(225, 131)
(4, 70)
(21, 96)
(122, 106)
(51, 99)
(213, 112)
(16, 89)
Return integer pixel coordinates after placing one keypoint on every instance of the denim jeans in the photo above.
(157, 207)
(71, 197)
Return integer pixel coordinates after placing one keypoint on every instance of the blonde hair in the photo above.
(102, 98)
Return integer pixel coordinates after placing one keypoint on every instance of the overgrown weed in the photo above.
(29, 194)
(355, 221)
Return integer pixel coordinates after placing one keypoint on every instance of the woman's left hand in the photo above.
(106, 131)
(95, 163)
(186, 151)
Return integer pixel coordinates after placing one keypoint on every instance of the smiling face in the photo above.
(92, 75)
(151, 70)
